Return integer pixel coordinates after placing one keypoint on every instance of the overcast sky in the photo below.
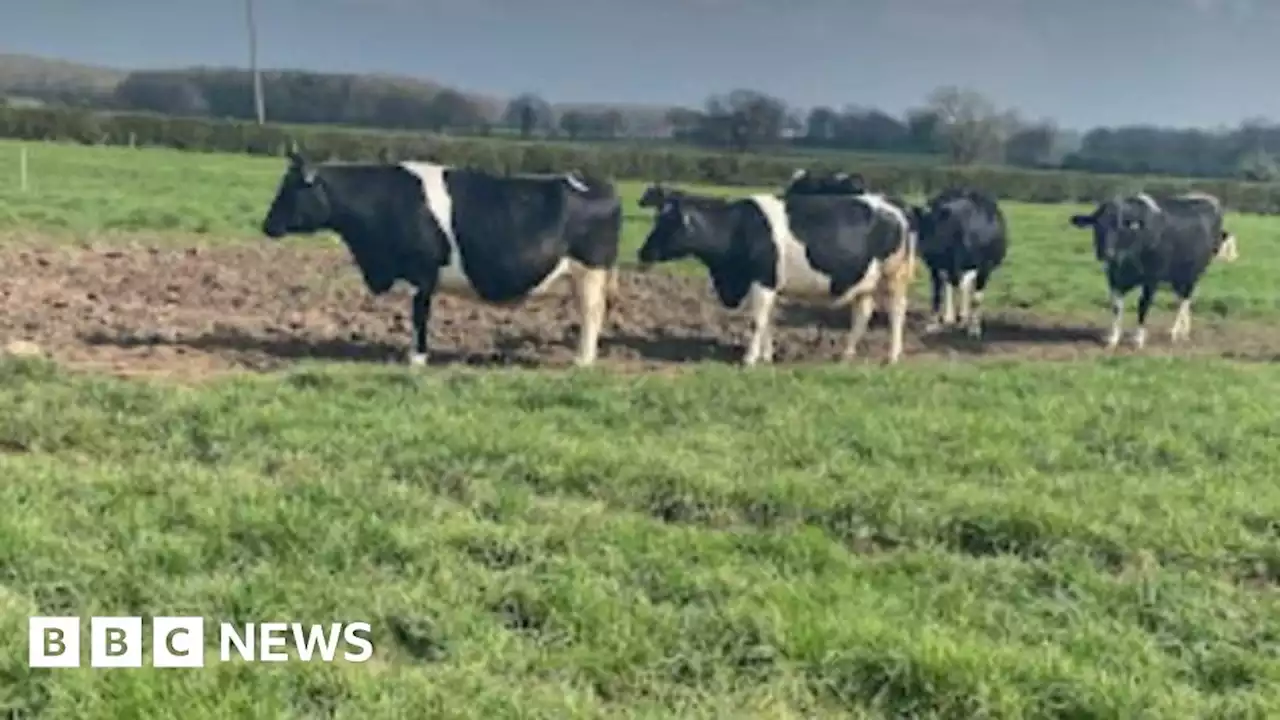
(1082, 62)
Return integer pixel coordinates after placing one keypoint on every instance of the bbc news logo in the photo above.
(179, 642)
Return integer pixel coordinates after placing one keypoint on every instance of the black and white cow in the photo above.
(963, 238)
(1145, 241)
(804, 182)
(841, 250)
(498, 240)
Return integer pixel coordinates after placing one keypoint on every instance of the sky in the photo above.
(1081, 62)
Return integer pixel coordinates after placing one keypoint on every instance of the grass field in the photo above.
(78, 192)
(1090, 539)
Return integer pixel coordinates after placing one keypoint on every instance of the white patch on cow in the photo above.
(1182, 322)
(1228, 251)
(967, 280)
(575, 183)
(1199, 195)
(975, 317)
(799, 173)
(796, 276)
(592, 289)
(760, 347)
(858, 322)
(880, 203)
(1117, 319)
(1147, 200)
(453, 278)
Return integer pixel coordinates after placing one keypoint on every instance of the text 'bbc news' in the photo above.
(179, 642)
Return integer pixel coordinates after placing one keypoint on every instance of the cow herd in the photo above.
(824, 238)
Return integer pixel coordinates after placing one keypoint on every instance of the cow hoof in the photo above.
(417, 359)
(1139, 340)
(975, 331)
(583, 362)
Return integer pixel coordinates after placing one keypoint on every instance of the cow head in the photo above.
(301, 204)
(804, 182)
(672, 236)
(926, 220)
(1122, 227)
(653, 196)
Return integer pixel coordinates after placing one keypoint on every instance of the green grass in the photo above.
(1019, 541)
(936, 540)
(74, 191)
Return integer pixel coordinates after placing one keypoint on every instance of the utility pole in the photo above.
(258, 103)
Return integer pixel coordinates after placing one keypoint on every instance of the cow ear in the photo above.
(1081, 221)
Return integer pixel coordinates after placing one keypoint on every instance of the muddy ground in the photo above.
(195, 312)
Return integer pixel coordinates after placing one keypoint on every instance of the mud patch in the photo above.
(199, 311)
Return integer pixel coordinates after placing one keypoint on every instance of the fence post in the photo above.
(22, 166)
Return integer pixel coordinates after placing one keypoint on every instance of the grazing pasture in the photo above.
(970, 533)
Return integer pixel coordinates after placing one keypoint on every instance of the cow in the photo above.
(804, 182)
(1145, 241)
(466, 233)
(838, 249)
(963, 238)
(655, 194)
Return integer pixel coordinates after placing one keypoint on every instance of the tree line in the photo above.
(956, 123)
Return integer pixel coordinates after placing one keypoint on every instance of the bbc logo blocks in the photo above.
(179, 642)
(116, 642)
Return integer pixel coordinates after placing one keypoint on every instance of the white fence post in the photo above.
(22, 167)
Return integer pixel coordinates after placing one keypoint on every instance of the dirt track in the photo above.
(195, 312)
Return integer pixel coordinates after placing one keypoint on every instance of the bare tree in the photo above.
(972, 129)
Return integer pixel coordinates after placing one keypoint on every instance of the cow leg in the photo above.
(967, 279)
(978, 288)
(592, 289)
(948, 302)
(1144, 307)
(935, 308)
(762, 302)
(897, 317)
(1181, 329)
(862, 306)
(1117, 317)
(421, 313)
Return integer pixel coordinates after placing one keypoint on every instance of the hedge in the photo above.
(618, 161)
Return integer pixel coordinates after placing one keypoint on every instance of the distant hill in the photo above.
(56, 80)
(59, 81)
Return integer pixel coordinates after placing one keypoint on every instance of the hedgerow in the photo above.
(618, 161)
